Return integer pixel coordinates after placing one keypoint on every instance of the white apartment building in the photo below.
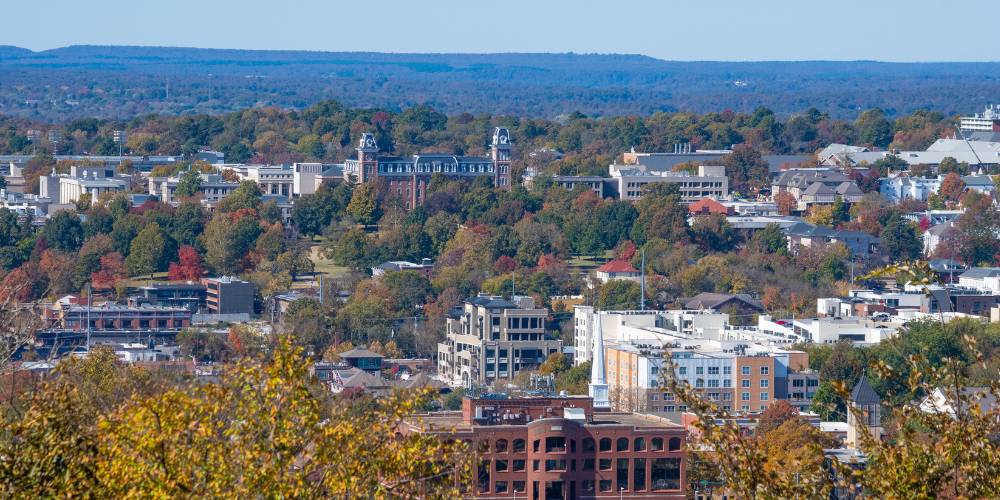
(493, 339)
(710, 181)
(272, 179)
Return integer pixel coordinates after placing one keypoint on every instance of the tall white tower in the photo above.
(598, 373)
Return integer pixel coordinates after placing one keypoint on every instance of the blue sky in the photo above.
(728, 30)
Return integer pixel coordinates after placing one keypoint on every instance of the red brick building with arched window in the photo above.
(560, 448)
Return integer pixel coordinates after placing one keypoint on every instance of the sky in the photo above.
(722, 30)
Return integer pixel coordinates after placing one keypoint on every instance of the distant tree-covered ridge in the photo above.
(131, 81)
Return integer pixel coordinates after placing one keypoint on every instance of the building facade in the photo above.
(710, 181)
(492, 339)
(408, 178)
(561, 448)
(228, 295)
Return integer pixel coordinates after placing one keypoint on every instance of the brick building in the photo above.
(408, 178)
(556, 448)
(66, 315)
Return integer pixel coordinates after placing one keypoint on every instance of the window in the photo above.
(656, 444)
(745, 382)
(501, 465)
(669, 409)
(604, 464)
(519, 465)
(605, 485)
(535, 445)
(501, 445)
(639, 476)
(588, 464)
(746, 370)
(518, 446)
(726, 396)
(713, 383)
(666, 474)
(668, 397)
(605, 444)
(483, 479)
(727, 370)
(654, 397)
(588, 444)
(622, 444)
(639, 445)
(519, 486)
(674, 444)
(622, 474)
(745, 396)
(764, 370)
(798, 382)
(727, 383)
(764, 396)
(484, 446)
(682, 370)
(699, 370)
(745, 408)
(500, 487)
(588, 486)
(555, 444)
(764, 382)
(713, 370)
(534, 465)
(699, 383)
(551, 465)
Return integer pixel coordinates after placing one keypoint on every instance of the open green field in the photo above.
(324, 265)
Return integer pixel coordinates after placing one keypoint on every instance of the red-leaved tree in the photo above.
(188, 267)
(112, 270)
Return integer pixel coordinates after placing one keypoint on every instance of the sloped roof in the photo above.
(360, 353)
(848, 188)
(980, 272)
(617, 266)
(817, 188)
(707, 300)
(863, 394)
(365, 380)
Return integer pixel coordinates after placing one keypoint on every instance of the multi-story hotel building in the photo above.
(408, 178)
(493, 339)
(557, 448)
(744, 379)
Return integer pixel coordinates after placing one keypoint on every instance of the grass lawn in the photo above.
(324, 265)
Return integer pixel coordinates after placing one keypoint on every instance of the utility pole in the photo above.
(642, 283)
(90, 304)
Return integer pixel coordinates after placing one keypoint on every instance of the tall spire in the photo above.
(598, 374)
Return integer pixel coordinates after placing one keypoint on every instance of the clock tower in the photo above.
(500, 154)
(367, 158)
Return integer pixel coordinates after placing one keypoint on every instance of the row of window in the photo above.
(558, 444)
(663, 473)
(726, 370)
(435, 167)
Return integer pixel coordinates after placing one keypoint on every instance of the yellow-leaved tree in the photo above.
(261, 430)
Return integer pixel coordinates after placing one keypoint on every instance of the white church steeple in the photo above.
(598, 374)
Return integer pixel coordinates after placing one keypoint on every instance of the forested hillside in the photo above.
(128, 81)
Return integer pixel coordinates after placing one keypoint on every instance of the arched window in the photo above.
(518, 446)
(501, 445)
(639, 445)
(605, 444)
(674, 444)
(588, 444)
(484, 446)
(656, 444)
(622, 444)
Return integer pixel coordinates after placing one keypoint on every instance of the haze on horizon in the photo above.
(683, 30)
